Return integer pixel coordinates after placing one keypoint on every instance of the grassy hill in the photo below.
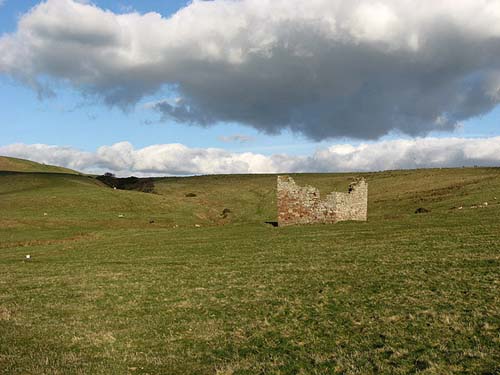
(128, 282)
(23, 165)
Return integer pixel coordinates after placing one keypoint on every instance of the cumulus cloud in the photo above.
(240, 138)
(177, 159)
(323, 68)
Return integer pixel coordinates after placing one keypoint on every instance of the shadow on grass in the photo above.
(273, 223)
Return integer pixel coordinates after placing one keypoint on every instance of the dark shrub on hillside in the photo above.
(190, 195)
(225, 212)
(145, 185)
(421, 210)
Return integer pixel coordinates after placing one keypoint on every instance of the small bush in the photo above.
(225, 213)
(190, 195)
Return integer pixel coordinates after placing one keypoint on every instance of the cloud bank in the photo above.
(177, 159)
(322, 68)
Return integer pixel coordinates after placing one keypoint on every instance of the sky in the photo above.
(170, 87)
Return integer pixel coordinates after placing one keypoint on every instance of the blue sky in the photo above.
(76, 120)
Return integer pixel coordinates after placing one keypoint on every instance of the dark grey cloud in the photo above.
(322, 68)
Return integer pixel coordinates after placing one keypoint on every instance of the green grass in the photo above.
(103, 294)
(22, 165)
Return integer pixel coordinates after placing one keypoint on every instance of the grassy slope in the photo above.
(22, 165)
(400, 294)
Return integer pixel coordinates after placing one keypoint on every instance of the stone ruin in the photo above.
(303, 205)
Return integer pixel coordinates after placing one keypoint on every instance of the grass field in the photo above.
(22, 165)
(122, 282)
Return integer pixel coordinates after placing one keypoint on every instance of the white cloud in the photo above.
(319, 67)
(177, 159)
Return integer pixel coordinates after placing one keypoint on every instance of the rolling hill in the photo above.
(250, 199)
(23, 165)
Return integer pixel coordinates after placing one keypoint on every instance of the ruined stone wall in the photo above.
(303, 205)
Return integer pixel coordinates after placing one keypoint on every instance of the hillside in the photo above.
(54, 200)
(23, 165)
(249, 198)
(130, 282)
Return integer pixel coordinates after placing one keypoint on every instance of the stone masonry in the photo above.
(303, 205)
